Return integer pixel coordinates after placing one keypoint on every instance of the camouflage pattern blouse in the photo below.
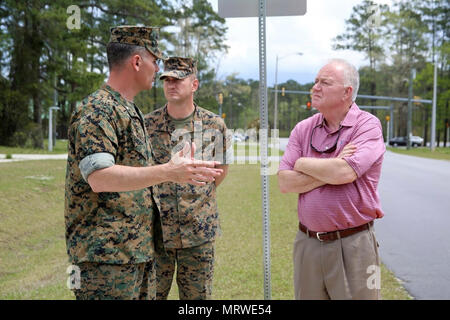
(189, 214)
(108, 227)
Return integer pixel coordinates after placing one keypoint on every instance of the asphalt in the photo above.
(413, 234)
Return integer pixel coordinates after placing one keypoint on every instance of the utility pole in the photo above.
(275, 109)
(433, 110)
(50, 128)
(220, 103)
(50, 118)
(410, 97)
(388, 122)
(231, 111)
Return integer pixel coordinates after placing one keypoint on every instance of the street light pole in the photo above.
(433, 109)
(50, 128)
(220, 97)
(410, 96)
(275, 109)
(231, 111)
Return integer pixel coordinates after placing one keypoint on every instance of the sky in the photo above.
(310, 34)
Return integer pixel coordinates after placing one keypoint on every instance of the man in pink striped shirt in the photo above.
(333, 161)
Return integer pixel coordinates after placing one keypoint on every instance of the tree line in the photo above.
(412, 34)
(45, 61)
(41, 56)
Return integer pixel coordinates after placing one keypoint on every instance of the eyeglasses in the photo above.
(329, 150)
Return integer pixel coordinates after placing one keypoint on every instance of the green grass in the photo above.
(32, 246)
(33, 258)
(440, 153)
(60, 147)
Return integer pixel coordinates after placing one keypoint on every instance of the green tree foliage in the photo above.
(200, 34)
(409, 34)
(41, 55)
(364, 32)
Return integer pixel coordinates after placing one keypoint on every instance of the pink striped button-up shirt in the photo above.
(338, 207)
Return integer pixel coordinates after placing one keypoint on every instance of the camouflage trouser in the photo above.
(116, 282)
(195, 268)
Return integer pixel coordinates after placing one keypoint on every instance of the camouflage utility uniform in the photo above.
(189, 215)
(109, 235)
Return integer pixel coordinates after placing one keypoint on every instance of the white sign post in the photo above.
(250, 8)
(261, 9)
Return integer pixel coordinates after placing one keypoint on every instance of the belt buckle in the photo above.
(318, 236)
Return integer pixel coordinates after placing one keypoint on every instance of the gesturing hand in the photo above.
(183, 168)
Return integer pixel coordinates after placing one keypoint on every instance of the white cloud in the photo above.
(310, 34)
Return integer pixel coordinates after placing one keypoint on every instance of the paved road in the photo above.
(414, 234)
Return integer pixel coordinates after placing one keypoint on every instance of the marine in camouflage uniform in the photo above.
(189, 215)
(110, 235)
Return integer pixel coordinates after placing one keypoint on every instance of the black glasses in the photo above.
(328, 150)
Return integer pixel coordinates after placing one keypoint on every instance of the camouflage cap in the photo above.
(140, 36)
(179, 67)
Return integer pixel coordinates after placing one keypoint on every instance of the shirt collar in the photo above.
(117, 96)
(350, 118)
(132, 109)
(169, 125)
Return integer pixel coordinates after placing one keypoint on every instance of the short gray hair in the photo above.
(117, 53)
(351, 75)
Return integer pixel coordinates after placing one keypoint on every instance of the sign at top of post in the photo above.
(249, 8)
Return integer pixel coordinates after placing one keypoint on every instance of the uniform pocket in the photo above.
(139, 141)
(161, 147)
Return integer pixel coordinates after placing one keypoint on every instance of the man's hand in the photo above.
(183, 168)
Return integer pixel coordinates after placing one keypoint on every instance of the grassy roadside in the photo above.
(240, 148)
(33, 259)
(439, 153)
(32, 246)
(60, 147)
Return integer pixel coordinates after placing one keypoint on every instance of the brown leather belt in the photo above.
(334, 235)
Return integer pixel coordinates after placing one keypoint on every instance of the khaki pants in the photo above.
(116, 282)
(195, 268)
(347, 268)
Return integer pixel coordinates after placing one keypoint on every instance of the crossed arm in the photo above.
(311, 173)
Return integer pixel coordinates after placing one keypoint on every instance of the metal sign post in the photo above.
(250, 8)
(258, 8)
(263, 136)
